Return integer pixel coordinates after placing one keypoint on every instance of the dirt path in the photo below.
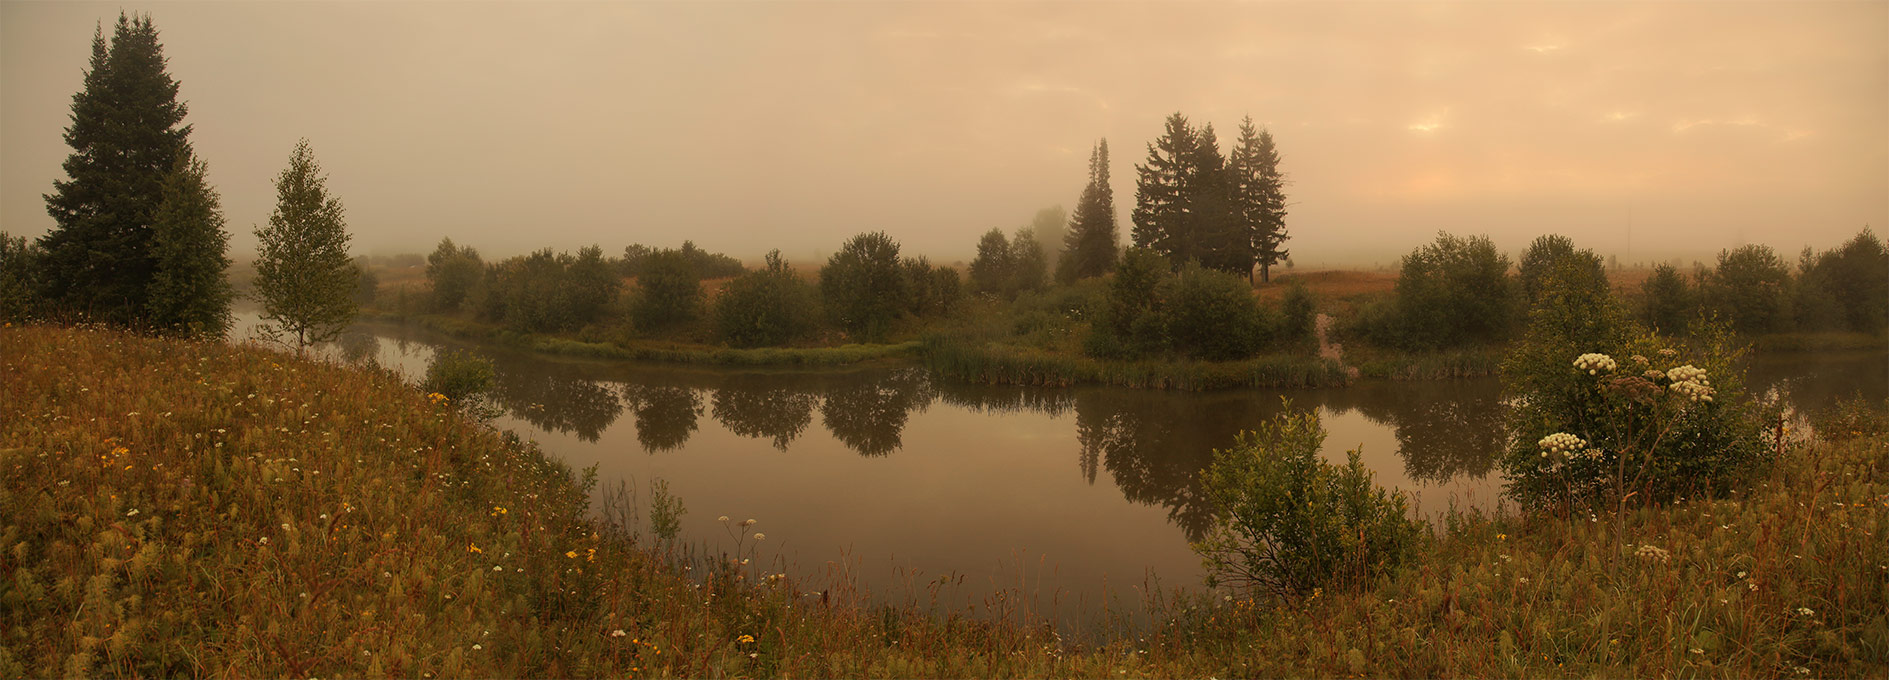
(1321, 327)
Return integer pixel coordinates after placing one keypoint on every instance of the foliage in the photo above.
(1211, 315)
(1749, 288)
(453, 272)
(1298, 312)
(1130, 322)
(1846, 288)
(1554, 251)
(668, 290)
(1164, 193)
(1286, 522)
(1450, 293)
(303, 275)
(930, 290)
(19, 289)
(767, 306)
(994, 270)
(706, 265)
(1605, 412)
(1089, 247)
(127, 134)
(1029, 266)
(665, 511)
(189, 294)
(1667, 302)
(547, 292)
(863, 286)
(458, 376)
(366, 284)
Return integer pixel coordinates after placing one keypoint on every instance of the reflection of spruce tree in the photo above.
(559, 403)
(1444, 430)
(868, 415)
(1155, 445)
(665, 415)
(759, 411)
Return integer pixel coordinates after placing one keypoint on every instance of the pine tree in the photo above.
(1162, 191)
(126, 135)
(1260, 197)
(189, 294)
(1220, 242)
(1089, 247)
(303, 275)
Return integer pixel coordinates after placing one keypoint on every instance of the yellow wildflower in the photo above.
(473, 548)
(745, 639)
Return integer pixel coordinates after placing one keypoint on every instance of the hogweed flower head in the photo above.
(1653, 554)
(1594, 363)
(1560, 444)
(1690, 382)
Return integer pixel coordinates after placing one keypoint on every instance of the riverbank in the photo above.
(192, 509)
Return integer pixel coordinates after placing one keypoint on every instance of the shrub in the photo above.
(1453, 292)
(453, 271)
(1211, 314)
(18, 298)
(1750, 288)
(1846, 288)
(931, 290)
(668, 291)
(1298, 312)
(1286, 521)
(768, 306)
(994, 268)
(458, 376)
(864, 286)
(1129, 322)
(1668, 302)
(1554, 251)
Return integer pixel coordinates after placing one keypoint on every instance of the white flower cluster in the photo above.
(1653, 554)
(1594, 363)
(1561, 444)
(1690, 382)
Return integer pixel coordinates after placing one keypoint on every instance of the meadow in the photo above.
(194, 508)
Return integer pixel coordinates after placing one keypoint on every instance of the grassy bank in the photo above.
(659, 351)
(197, 509)
(997, 364)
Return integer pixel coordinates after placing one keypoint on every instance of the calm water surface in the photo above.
(1071, 496)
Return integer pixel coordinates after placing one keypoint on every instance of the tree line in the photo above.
(1457, 292)
(139, 236)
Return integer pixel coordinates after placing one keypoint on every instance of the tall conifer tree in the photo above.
(1089, 247)
(1219, 241)
(303, 275)
(126, 135)
(1258, 197)
(189, 293)
(1162, 190)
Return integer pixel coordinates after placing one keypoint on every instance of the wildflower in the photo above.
(747, 522)
(473, 548)
(1594, 363)
(497, 568)
(1805, 611)
(1690, 382)
(1669, 352)
(476, 646)
(1802, 670)
(1653, 554)
(133, 513)
(722, 518)
(1638, 359)
(1501, 537)
(1560, 444)
(572, 554)
(617, 633)
(745, 638)
(1696, 650)
(760, 536)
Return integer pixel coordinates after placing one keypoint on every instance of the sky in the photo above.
(1646, 131)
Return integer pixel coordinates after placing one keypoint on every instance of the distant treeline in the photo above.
(1456, 292)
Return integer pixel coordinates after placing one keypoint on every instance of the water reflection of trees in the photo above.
(555, 398)
(1444, 429)
(1154, 444)
(1050, 401)
(665, 414)
(868, 415)
(764, 406)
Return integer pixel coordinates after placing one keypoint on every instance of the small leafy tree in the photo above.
(931, 290)
(1453, 292)
(1750, 288)
(994, 268)
(767, 306)
(1553, 251)
(1298, 311)
(1846, 288)
(1029, 266)
(1667, 303)
(19, 261)
(453, 272)
(303, 275)
(864, 286)
(458, 376)
(1211, 314)
(1129, 324)
(1286, 521)
(668, 291)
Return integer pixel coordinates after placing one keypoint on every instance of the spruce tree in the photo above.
(1269, 200)
(1162, 190)
(126, 135)
(303, 275)
(189, 294)
(1219, 241)
(1089, 247)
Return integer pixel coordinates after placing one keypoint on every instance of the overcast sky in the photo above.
(1640, 129)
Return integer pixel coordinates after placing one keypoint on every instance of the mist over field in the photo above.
(1643, 131)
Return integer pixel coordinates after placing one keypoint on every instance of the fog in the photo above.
(1645, 131)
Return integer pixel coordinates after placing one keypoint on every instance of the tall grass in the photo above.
(968, 360)
(177, 508)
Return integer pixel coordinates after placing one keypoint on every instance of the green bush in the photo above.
(1453, 292)
(1668, 303)
(1846, 288)
(1287, 522)
(453, 271)
(1750, 287)
(1554, 251)
(1211, 315)
(668, 291)
(18, 297)
(458, 376)
(1298, 312)
(864, 286)
(1129, 324)
(768, 306)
